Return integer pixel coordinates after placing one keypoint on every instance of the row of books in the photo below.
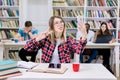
(9, 2)
(102, 13)
(9, 23)
(9, 13)
(72, 35)
(89, 13)
(13, 55)
(68, 2)
(68, 13)
(102, 3)
(72, 24)
(8, 68)
(81, 2)
(7, 34)
(96, 24)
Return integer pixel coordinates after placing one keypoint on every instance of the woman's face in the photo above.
(103, 27)
(58, 25)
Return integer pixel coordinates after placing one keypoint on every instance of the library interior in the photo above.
(37, 33)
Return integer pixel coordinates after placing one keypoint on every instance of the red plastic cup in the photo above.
(76, 67)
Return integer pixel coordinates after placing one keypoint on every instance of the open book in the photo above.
(43, 68)
(26, 65)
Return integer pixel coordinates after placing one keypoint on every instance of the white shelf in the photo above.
(9, 18)
(101, 7)
(106, 17)
(68, 7)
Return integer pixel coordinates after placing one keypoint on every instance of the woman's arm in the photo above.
(95, 37)
(33, 45)
(82, 29)
(77, 47)
(112, 40)
(36, 43)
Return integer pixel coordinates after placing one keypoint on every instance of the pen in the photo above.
(31, 68)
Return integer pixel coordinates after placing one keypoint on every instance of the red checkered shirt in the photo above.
(48, 48)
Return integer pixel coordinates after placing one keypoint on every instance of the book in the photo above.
(7, 71)
(26, 65)
(43, 68)
(3, 69)
(7, 63)
(18, 73)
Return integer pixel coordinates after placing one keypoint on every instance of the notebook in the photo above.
(103, 38)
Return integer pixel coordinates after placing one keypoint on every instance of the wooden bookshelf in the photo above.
(9, 18)
(93, 11)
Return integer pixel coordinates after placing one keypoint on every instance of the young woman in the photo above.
(56, 47)
(107, 37)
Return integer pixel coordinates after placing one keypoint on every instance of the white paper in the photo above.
(26, 65)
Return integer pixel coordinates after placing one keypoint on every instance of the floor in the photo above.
(118, 78)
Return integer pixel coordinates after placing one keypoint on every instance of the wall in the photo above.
(37, 11)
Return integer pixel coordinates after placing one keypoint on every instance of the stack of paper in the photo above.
(26, 65)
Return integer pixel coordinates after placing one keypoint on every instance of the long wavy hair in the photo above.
(106, 32)
(52, 30)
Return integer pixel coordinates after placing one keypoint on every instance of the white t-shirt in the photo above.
(55, 57)
(90, 36)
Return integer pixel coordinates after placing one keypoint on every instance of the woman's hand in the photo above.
(82, 29)
(110, 42)
(43, 35)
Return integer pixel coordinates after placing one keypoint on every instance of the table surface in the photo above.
(87, 72)
(114, 46)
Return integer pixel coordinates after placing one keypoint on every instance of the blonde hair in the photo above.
(51, 29)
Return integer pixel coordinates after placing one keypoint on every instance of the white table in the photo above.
(87, 72)
(12, 45)
(113, 46)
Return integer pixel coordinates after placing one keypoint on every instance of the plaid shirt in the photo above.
(48, 48)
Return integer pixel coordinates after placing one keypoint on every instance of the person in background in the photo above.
(24, 34)
(27, 33)
(56, 46)
(90, 38)
(105, 52)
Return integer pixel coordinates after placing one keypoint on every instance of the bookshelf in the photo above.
(93, 12)
(119, 23)
(9, 18)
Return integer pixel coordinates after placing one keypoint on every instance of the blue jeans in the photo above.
(93, 55)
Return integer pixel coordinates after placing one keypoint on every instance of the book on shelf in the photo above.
(71, 35)
(44, 68)
(4, 36)
(118, 34)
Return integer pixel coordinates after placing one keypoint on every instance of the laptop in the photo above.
(103, 38)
